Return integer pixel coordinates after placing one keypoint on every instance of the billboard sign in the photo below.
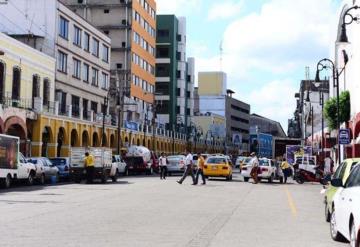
(237, 139)
(9, 149)
(131, 125)
(296, 150)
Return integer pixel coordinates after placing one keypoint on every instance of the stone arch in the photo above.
(61, 140)
(17, 129)
(149, 144)
(47, 137)
(104, 141)
(2, 127)
(96, 141)
(138, 142)
(74, 138)
(85, 138)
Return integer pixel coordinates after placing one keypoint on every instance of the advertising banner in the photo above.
(131, 125)
(237, 139)
(296, 150)
(9, 148)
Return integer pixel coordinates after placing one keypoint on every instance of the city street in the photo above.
(147, 211)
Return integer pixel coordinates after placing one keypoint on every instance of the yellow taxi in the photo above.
(218, 166)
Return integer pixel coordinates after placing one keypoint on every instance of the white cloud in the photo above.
(177, 7)
(224, 10)
(274, 100)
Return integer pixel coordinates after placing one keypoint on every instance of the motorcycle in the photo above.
(301, 176)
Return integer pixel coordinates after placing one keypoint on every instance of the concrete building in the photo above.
(131, 26)
(174, 73)
(260, 124)
(27, 86)
(216, 98)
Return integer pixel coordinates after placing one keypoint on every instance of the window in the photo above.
(106, 32)
(86, 72)
(86, 42)
(95, 47)
(16, 84)
(85, 109)
(95, 77)
(354, 178)
(46, 92)
(64, 28)
(163, 33)
(94, 106)
(77, 36)
(77, 68)
(105, 57)
(62, 62)
(178, 56)
(75, 102)
(105, 81)
(163, 70)
(178, 37)
(119, 65)
(106, 11)
(178, 74)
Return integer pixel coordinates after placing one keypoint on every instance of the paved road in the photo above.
(145, 211)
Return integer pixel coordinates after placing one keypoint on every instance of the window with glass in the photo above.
(62, 62)
(104, 81)
(77, 68)
(105, 57)
(64, 28)
(95, 47)
(46, 92)
(86, 72)
(95, 77)
(86, 41)
(77, 36)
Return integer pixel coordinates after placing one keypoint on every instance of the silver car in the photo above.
(176, 164)
(44, 169)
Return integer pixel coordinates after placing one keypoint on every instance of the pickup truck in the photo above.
(104, 167)
(13, 165)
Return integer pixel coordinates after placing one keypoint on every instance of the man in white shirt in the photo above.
(188, 168)
(163, 166)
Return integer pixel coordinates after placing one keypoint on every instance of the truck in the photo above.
(104, 167)
(152, 163)
(13, 165)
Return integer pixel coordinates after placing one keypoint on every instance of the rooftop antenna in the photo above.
(221, 54)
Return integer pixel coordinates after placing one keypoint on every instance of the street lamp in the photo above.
(145, 123)
(343, 36)
(106, 102)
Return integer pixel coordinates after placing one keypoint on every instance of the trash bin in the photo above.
(53, 180)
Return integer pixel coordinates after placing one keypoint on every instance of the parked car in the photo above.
(342, 172)
(345, 216)
(218, 166)
(63, 164)
(121, 165)
(136, 165)
(25, 170)
(44, 169)
(176, 164)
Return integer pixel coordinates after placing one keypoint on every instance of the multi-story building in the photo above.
(216, 98)
(260, 124)
(82, 76)
(131, 26)
(27, 86)
(174, 73)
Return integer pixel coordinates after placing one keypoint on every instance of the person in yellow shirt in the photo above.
(89, 163)
(200, 170)
(285, 167)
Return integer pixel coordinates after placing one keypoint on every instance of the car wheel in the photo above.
(42, 179)
(335, 235)
(327, 213)
(6, 182)
(30, 180)
(230, 177)
(150, 171)
(246, 179)
(271, 179)
(353, 241)
(281, 180)
(104, 177)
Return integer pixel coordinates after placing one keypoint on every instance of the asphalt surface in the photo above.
(147, 211)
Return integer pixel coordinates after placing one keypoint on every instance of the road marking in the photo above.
(291, 202)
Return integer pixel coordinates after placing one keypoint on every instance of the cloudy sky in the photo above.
(266, 45)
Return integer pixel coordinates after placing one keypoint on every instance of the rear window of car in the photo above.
(216, 161)
(263, 162)
(58, 161)
(33, 161)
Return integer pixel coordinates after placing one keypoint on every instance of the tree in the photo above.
(331, 107)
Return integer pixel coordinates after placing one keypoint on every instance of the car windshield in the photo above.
(58, 161)
(263, 162)
(175, 157)
(33, 161)
(216, 161)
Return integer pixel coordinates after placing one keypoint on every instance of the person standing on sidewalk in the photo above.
(90, 167)
(188, 168)
(200, 170)
(163, 165)
(254, 162)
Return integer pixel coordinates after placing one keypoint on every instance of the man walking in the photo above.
(163, 166)
(200, 170)
(254, 162)
(188, 168)
(89, 166)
